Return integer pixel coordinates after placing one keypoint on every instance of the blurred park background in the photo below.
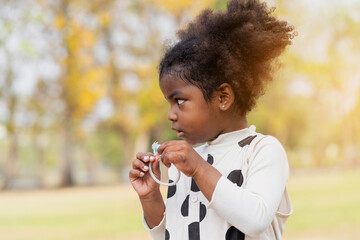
(79, 97)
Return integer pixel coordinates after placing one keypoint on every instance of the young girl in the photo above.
(233, 186)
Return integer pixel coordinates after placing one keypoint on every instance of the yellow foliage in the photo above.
(59, 21)
(88, 89)
(85, 83)
(85, 60)
(201, 5)
(88, 38)
(172, 6)
(80, 38)
(72, 39)
(149, 99)
(104, 18)
(177, 8)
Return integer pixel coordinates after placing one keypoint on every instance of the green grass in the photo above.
(81, 213)
(326, 206)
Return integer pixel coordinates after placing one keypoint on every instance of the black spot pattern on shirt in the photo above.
(167, 234)
(236, 177)
(234, 234)
(185, 207)
(194, 231)
(194, 186)
(210, 159)
(171, 190)
(202, 212)
(246, 141)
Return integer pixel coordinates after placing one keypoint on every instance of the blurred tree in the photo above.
(310, 106)
(131, 65)
(10, 100)
(183, 9)
(43, 123)
(9, 96)
(81, 78)
(343, 56)
(107, 51)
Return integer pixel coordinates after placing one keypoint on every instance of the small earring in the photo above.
(223, 106)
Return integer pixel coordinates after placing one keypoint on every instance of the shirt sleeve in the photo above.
(252, 207)
(157, 232)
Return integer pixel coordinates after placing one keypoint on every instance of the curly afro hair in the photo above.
(237, 46)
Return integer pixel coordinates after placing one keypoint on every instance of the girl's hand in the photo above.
(182, 155)
(140, 177)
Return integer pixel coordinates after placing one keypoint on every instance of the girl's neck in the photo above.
(232, 123)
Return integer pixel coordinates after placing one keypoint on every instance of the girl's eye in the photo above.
(180, 101)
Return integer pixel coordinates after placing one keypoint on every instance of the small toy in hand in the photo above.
(155, 147)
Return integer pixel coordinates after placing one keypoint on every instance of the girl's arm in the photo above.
(147, 189)
(154, 209)
(252, 207)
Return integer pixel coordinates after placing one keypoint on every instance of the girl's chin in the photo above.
(188, 140)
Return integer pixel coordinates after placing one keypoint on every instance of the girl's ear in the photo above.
(226, 96)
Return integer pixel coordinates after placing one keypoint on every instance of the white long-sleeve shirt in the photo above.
(250, 200)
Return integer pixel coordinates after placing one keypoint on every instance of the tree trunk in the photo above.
(11, 162)
(66, 168)
(40, 160)
(127, 150)
(90, 165)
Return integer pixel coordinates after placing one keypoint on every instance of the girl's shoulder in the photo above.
(267, 143)
(265, 139)
(265, 151)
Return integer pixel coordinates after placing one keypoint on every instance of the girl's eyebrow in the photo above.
(171, 95)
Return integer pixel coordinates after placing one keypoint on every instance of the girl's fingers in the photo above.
(156, 164)
(173, 146)
(169, 157)
(135, 173)
(138, 164)
(140, 155)
(145, 157)
(156, 168)
(152, 158)
(167, 144)
(171, 153)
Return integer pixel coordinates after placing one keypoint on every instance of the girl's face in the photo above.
(195, 119)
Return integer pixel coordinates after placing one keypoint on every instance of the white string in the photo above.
(155, 146)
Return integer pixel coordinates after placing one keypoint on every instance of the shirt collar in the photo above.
(234, 136)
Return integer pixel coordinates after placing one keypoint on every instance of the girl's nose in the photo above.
(171, 115)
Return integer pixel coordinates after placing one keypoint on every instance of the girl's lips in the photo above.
(180, 134)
